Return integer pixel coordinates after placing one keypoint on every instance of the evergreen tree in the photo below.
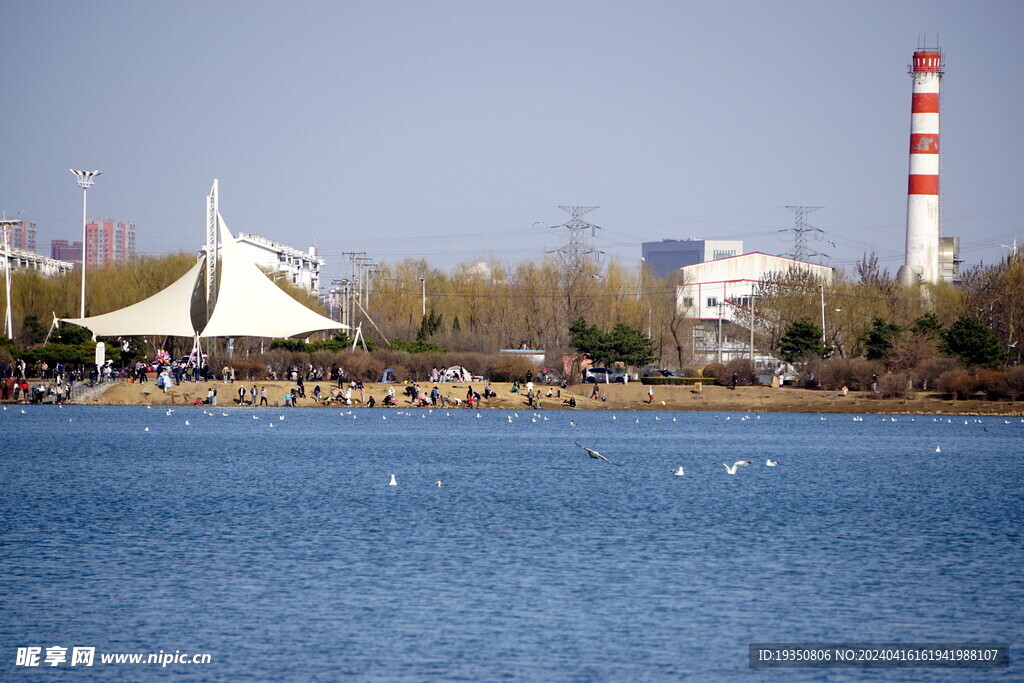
(631, 346)
(927, 325)
(802, 338)
(879, 338)
(973, 343)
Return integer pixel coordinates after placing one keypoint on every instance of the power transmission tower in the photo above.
(577, 248)
(800, 230)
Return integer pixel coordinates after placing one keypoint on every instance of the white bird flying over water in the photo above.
(597, 456)
(736, 465)
(679, 472)
(770, 463)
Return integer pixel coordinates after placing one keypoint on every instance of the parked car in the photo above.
(661, 373)
(603, 376)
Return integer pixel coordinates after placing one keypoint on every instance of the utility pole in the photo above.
(752, 332)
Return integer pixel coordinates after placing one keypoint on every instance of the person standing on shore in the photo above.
(650, 393)
(263, 396)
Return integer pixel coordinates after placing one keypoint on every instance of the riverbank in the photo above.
(632, 396)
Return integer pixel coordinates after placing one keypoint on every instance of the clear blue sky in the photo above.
(448, 129)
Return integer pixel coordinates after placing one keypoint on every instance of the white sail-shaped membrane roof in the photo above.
(249, 304)
(166, 313)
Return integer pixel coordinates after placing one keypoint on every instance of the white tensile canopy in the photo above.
(166, 313)
(248, 304)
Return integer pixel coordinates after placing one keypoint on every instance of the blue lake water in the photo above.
(282, 551)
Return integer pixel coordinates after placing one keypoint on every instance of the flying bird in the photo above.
(597, 456)
(736, 465)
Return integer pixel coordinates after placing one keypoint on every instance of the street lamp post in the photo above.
(822, 288)
(85, 181)
(423, 282)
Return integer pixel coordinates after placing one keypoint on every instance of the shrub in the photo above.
(744, 371)
(852, 373)
(689, 372)
(957, 383)
(712, 371)
(1012, 383)
(679, 381)
(248, 369)
(991, 382)
(929, 370)
(507, 367)
(895, 385)
(359, 365)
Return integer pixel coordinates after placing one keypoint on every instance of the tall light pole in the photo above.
(423, 281)
(822, 289)
(85, 181)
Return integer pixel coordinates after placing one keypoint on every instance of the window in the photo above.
(688, 301)
(712, 301)
(722, 253)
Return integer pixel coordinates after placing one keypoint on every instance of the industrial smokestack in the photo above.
(922, 256)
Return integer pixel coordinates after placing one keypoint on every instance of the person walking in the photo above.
(735, 381)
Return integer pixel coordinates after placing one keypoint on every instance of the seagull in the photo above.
(770, 463)
(440, 485)
(597, 456)
(280, 417)
(679, 472)
(186, 423)
(736, 465)
(938, 449)
(146, 429)
(392, 482)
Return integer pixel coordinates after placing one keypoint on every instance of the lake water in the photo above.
(282, 551)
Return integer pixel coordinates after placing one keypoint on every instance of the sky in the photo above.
(453, 130)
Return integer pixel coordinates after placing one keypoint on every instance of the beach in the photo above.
(631, 396)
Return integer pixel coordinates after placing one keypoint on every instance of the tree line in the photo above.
(569, 306)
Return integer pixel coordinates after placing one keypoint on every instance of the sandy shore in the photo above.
(632, 396)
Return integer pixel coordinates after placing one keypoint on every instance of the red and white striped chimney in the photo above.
(922, 256)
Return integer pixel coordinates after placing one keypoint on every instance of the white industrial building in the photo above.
(718, 294)
(715, 289)
(301, 268)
